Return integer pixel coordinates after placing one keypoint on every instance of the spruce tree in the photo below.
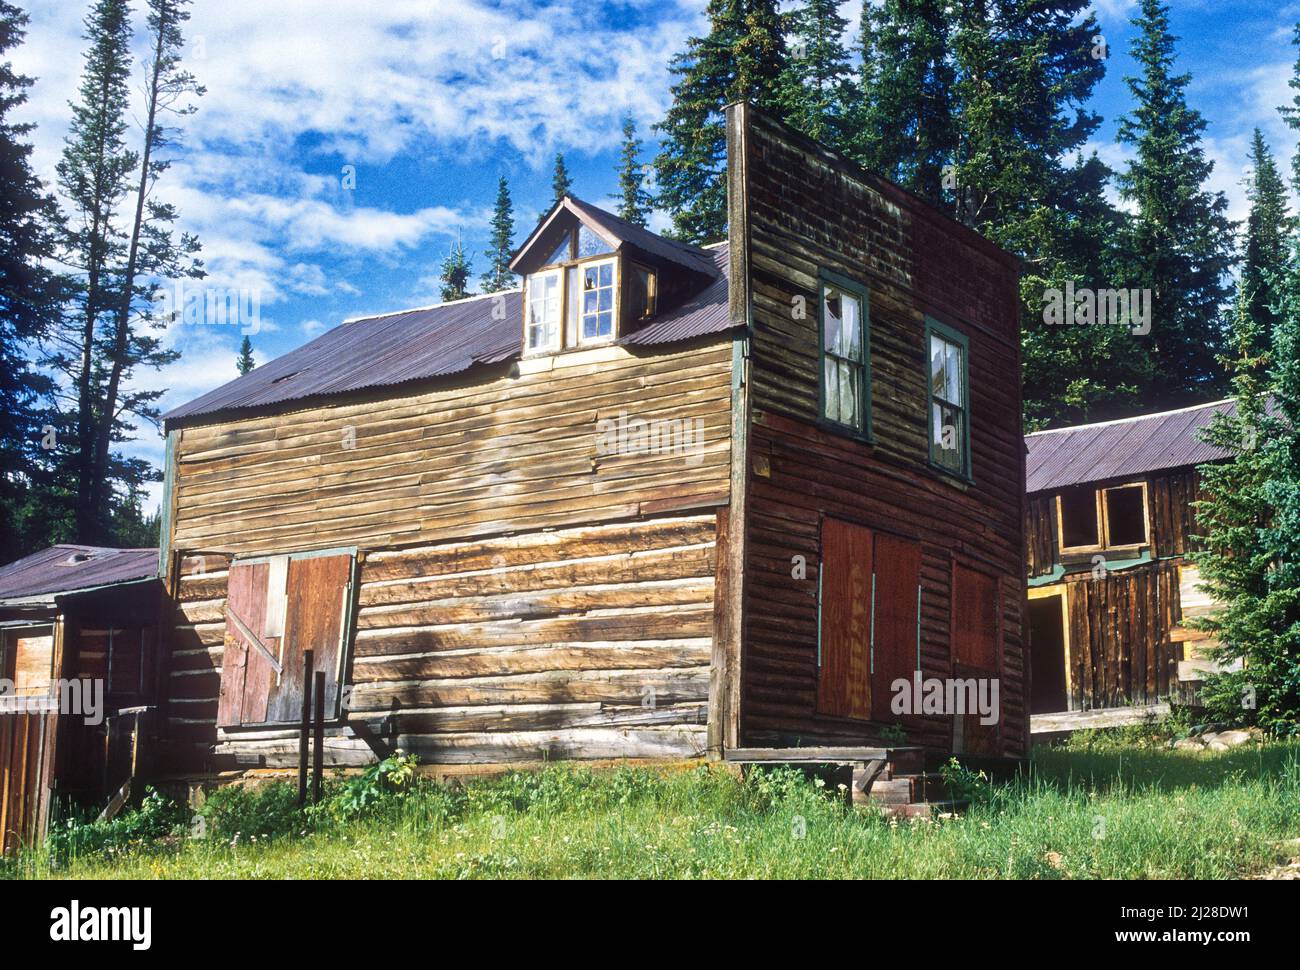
(1180, 243)
(29, 298)
(741, 57)
(561, 183)
(498, 275)
(634, 201)
(901, 119)
(244, 362)
(94, 174)
(1265, 251)
(814, 90)
(1250, 517)
(455, 274)
(1291, 112)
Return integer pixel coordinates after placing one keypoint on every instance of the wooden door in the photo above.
(246, 671)
(843, 678)
(976, 650)
(897, 619)
(319, 592)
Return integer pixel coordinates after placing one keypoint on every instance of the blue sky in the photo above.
(431, 100)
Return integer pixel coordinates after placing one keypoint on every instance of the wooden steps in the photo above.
(893, 780)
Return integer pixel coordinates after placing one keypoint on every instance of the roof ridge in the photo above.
(1130, 420)
(432, 306)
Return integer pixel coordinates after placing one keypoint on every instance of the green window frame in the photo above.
(844, 368)
(942, 412)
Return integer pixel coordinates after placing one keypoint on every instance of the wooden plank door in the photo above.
(844, 635)
(897, 581)
(246, 673)
(319, 591)
(976, 649)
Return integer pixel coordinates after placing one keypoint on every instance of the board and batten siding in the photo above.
(521, 594)
(797, 209)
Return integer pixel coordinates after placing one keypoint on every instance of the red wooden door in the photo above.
(246, 672)
(897, 581)
(843, 678)
(976, 649)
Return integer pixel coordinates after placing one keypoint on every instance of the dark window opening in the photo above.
(1079, 518)
(1125, 517)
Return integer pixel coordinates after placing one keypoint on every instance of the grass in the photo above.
(1113, 810)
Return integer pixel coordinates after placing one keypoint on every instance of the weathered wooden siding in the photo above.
(503, 455)
(586, 642)
(802, 209)
(1040, 535)
(27, 760)
(1121, 652)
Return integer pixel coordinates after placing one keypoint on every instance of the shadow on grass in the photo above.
(1157, 769)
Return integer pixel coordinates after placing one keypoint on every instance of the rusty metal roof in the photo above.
(431, 342)
(1121, 449)
(69, 568)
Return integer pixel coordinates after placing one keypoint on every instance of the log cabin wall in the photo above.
(521, 593)
(798, 209)
(1125, 637)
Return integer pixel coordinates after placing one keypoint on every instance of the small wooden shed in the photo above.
(78, 649)
(1109, 529)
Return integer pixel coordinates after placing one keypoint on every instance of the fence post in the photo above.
(304, 734)
(318, 750)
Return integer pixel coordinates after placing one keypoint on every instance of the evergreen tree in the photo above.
(1265, 250)
(634, 201)
(1291, 112)
(561, 184)
(29, 297)
(244, 362)
(741, 57)
(1250, 514)
(1180, 244)
(94, 175)
(902, 120)
(815, 83)
(498, 276)
(455, 274)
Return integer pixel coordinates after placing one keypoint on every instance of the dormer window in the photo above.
(591, 279)
(579, 287)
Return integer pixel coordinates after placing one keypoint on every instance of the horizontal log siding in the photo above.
(511, 454)
(586, 642)
(805, 210)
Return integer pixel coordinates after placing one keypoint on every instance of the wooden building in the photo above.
(1109, 526)
(78, 635)
(660, 502)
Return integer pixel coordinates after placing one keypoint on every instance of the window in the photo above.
(27, 659)
(597, 301)
(1077, 508)
(948, 399)
(845, 352)
(1093, 519)
(277, 607)
(642, 293)
(544, 302)
(1126, 515)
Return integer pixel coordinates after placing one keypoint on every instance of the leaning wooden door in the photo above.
(316, 619)
(844, 633)
(247, 668)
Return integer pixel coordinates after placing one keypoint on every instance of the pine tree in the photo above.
(1181, 242)
(498, 276)
(815, 83)
(1265, 250)
(29, 297)
(244, 362)
(902, 120)
(1250, 514)
(561, 184)
(1291, 112)
(634, 201)
(741, 57)
(94, 175)
(455, 274)
(152, 251)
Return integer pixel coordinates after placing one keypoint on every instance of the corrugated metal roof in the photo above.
(431, 342)
(67, 568)
(683, 254)
(1120, 449)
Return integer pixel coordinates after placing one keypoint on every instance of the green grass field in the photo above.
(1112, 811)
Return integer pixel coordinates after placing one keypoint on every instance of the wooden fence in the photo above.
(27, 759)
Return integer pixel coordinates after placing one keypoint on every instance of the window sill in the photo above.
(954, 478)
(845, 431)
